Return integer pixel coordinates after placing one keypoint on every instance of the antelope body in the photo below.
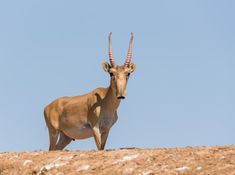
(92, 114)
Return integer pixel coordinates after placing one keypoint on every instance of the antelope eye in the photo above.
(128, 74)
(111, 74)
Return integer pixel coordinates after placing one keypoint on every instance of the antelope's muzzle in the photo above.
(121, 94)
(121, 97)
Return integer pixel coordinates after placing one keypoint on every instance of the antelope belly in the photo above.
(79, 132)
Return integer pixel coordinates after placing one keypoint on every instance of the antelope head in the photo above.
(119, 74)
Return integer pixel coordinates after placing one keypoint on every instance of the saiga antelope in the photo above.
(92, 114)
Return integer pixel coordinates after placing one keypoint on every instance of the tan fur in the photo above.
(89, 115)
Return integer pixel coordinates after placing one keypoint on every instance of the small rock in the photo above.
(27, 162)
(147, 173)
(126, 158)
(83, 167)
(199, 168)
(184, 168)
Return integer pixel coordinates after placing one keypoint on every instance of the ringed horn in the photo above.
(111, 58)
(129, 53)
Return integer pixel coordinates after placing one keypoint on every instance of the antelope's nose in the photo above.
(121, 97)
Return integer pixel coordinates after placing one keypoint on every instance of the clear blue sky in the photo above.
(181, 94)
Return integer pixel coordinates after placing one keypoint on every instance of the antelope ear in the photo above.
(106, 66)
(132, 67)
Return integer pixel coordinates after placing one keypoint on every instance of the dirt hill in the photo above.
(185, 161)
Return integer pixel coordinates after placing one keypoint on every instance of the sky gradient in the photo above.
(181, 94)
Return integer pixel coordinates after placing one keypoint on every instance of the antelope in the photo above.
(92, 114)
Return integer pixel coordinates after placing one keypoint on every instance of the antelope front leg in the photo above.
(104, 137)
(97, 136)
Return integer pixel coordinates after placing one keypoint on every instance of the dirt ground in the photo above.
(184, 161)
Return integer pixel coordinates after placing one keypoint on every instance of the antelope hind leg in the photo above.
(53, 136)
(63, 141)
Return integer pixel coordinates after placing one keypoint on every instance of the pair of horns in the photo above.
(129, 53)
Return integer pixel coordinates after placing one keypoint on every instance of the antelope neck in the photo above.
(112, 101)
